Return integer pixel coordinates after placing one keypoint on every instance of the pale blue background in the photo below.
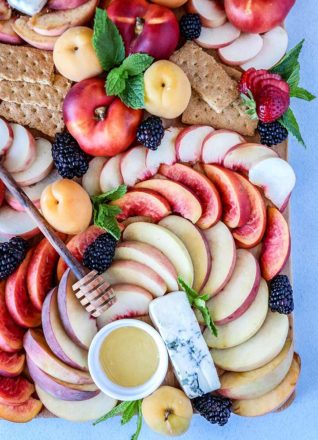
(300, 421)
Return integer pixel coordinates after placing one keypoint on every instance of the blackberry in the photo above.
(150, 132)
(12, 253)
(69, 159)
(272, 133)
(281, 295)
(215, 409)
(99, 254)
(190, 26)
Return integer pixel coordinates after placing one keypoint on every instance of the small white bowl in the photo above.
(114, 390)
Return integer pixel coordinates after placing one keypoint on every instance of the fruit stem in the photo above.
(100, 113)
(168, 413)
(139, 26)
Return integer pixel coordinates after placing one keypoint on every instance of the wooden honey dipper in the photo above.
(92, 290)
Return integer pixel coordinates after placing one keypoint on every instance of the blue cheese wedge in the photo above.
(29, 7)
(189, 354)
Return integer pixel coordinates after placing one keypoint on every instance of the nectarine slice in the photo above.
(181, 199)
(143, 202)
(201, 186)
(276, 245)
(111, 177)
(40, 274)
(15, 390)
(217, 144)
(242, 157)
(6, 133)
(189, 142)
(22, 28)
(251, 234)
(236, 202)
(11, 335)
(91, 179)
(21, 413)
(11, 364)
(17, 297)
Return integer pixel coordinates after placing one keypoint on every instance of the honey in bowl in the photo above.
(129, 356)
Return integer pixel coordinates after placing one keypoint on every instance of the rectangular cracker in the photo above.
(20, 63)
(47, 121)
(207, 76)
(232, 118)
(42, 95)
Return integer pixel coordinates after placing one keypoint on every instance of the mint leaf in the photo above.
(289, 62)
(199, 302)
(299, 92)
(139, 421)
(107, 41)
(294, 78)
(109, 223)
(137, 63)
(289, 121)
(119, 409)
(133, 95)
(110, 196)
(250, 104)
(116, 81)
(129, 412)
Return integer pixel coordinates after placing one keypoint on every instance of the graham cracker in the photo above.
(42, 95)
(47, 121)
(207, 76)
(232, 118)
(20, 63)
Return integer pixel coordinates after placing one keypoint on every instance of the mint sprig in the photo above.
(127, 410)
(198, 302)
(289, 121)
(105, 214)
(125, 77)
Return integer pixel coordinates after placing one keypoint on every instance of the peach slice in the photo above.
(166, 153)
(167, 242)
(131, 301)
(181, 199)
(13, 223)
(143, 202)
(80, 411)
(272, 400)
(40, 353)
(151, 257)
(240, 291)
(214, 38)
(132, 272)
(40, 274)
(11, 335)
(196, 244)
(91, 179)
(111, 177)
(236, 202)
(78, 245)
(277, 179)
(223, 253)
(276, 245)
(22, 28)
(22, 151)
(246, 47)
(57, 339)
(6, 136)
(5, 10)
(201, 186)
(243, 328)
(275, 44)
(256, 383)
(53, 24)
(17, 297)
(11, 364)
(40, 167)
(7, 34)
(15, 390)
(211, 13)
(58, 389)
(243, 157)
(189, 142)
(257, 351)
(22, 413)
(77, 323)
(133, 166)
(217, 144)
(251, 234)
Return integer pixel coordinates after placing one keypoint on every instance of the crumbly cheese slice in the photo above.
(29, 7)
(189, 354)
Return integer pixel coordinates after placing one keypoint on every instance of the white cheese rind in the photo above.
(29, 7)
(189, 354)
